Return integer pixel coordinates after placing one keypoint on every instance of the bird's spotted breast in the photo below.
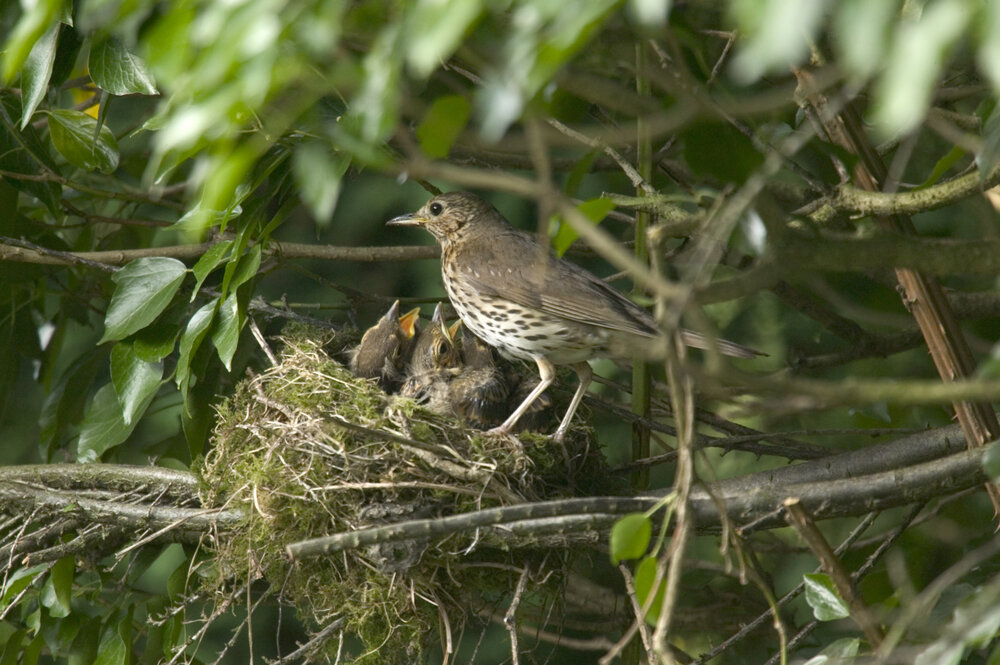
(519, 332)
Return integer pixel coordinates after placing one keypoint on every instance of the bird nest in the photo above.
(306, 449)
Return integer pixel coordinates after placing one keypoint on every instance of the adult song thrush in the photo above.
(516, 296)
(385, 348)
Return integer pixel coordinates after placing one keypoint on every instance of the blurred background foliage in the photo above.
(191, 138)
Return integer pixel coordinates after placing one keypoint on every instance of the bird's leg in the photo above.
(585, 374)
(547, 374)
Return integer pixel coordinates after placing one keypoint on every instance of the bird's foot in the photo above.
(559, 438)
(499, 430)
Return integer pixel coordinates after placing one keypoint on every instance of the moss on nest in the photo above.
(307, 449)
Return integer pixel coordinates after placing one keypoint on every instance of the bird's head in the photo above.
(449, 216)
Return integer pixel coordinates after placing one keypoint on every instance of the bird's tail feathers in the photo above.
(724, 346)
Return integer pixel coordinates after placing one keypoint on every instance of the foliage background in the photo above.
(251, 126)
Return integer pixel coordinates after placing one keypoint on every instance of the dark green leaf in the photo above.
(823, 599)
(442, 124)
(17, 581)
(136, 380)
(630, 537)
(155, 341)
(33, 651)
(23, 152)
(73, 136)
(196, 416)
(177, 582)
(37, 70)
(226, 334)
(64, 403)
(12, 647)
(112, 650)
(119, 72)
(246, 269)
(720, 151)
(208, 262)
(144, 288)
(57, 592)
(195, 332)
(645, 576)
(103, 427)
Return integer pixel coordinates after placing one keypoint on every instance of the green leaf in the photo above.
(73, 136)
(119, 72)
(208, 262)
(776, 34)
(62, 580)
(64, 404)
(36, 74)
(18, 581)
(719, 150)
(442, 124)
(645, 576)
(378, 101)
(914, 63)
(34, 21)
(136, 380)
(991, 461)
(434, 29)
(12, 648)
(840, 651)
(989, 155)
(319, 174)
(595, 210)
(23, 152)
(823, 599)
(33, 651)
(944, 164)
(861, 34)
(57, 592)
(226, 334)
(113, 650)
(178, 580)
(195, 332)
(246, 269)
(144, 289)
(155, 341)
(103, 427)
(630, 537)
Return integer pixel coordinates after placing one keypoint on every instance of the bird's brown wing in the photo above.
(511, 265)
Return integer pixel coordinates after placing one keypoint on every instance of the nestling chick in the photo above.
(385, 348)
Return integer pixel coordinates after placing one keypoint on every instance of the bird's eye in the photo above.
(436, 209)
(441, 349)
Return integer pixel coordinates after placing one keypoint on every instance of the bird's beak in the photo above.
(393, 312)
(412, 219)
(408, 322)
(438, 318)
(453, 329)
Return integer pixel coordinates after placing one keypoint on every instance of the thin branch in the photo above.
(798, 517)
(12, 249)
